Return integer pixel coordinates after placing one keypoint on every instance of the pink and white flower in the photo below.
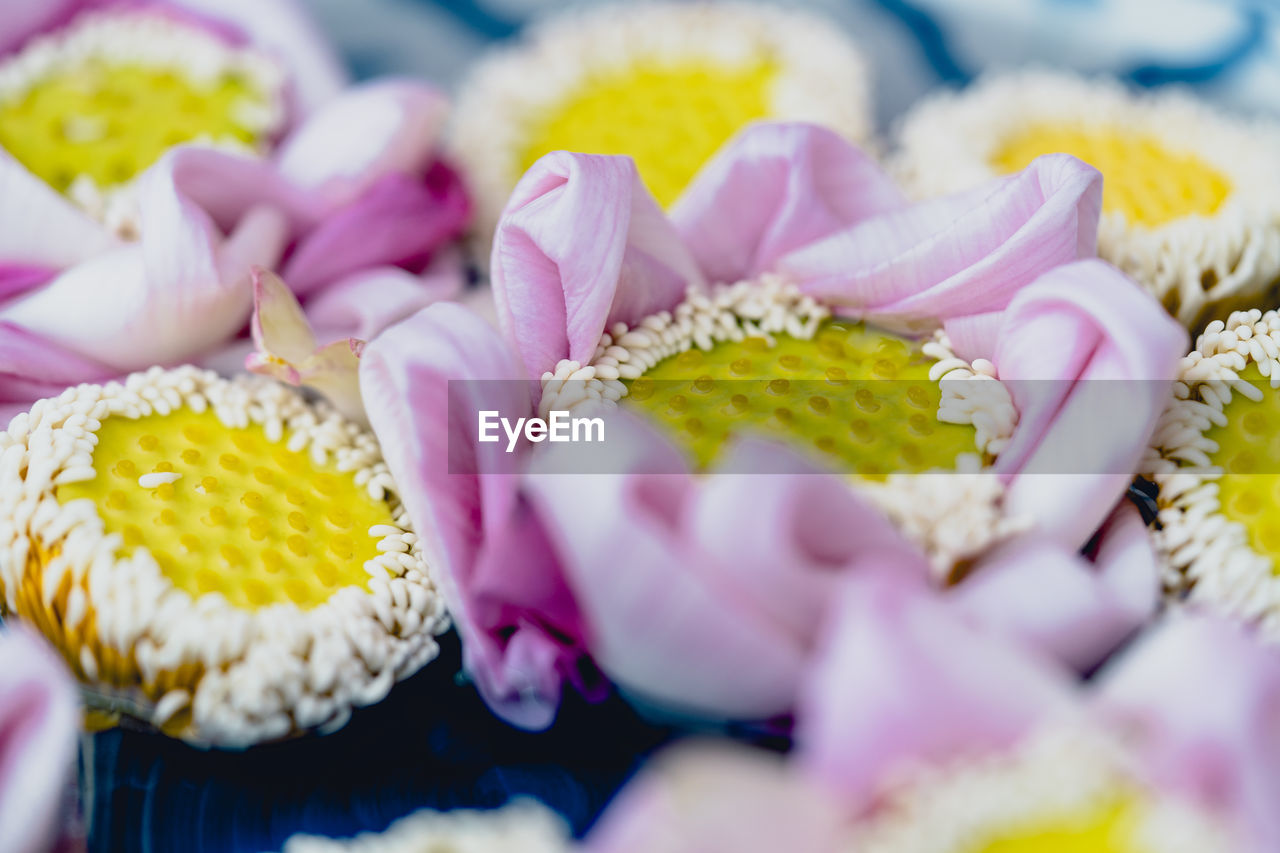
(706, 591)
(343, 193)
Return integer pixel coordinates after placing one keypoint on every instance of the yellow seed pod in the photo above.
(218, 557)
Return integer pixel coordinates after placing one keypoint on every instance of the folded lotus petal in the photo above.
(39, 721)
(32, 367)
(811, 530)
(582, 245)
(363, 304)
(284, 29)
(773, 188)
(1086, 405)
(280, 330)
(400, 220)
(424, 381)
(1199, 698)
(226, 184)
(20, 19)
(180, 290)
(39, 227)
(1061, 603)
(368, 132)
(705, 797)
(903, 677)
(957, 255)
(32, 358)
(704, 594)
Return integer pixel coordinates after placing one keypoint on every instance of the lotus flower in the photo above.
(339, 190)
(704, 591)
(919, 730)
(39, 717)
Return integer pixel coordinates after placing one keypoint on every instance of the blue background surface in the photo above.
(432, 743)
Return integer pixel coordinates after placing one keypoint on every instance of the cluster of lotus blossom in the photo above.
(911, 458)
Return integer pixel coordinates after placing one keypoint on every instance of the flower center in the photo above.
(1248, 453)
(670, 118)
(89, 108)
(229, 511)
(1109, 826)
(859, 398)
(1145, 182)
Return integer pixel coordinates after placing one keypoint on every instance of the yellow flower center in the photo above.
(1145, 181)
(669, 118)
(109, 120)
(247, 518)
(856, 397)
(1106, 827)
(1249, 454)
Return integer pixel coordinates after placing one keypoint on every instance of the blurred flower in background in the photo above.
(1225, 50)
(39, 718)
(105, 207)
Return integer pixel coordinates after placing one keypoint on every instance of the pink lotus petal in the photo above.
(424, 382)
(958, 255)
(1200, 697)
(772, 189)
(39, 722)
(580, 246)
(705, 593)
(17, 279)
(180, 290)
(401, 220)
(32, 368)
(904, 678)
(1087, 404)
(1054, 600)
(280, 329)
(39, 227)
(284, 29)
(363, 304)
(709, 797)
(370, 131)
(21, 19)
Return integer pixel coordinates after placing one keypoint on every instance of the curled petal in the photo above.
(424, 381)
(703, 594)
(1055, 600)
(959, 255)
(582, 245)
(903, 677)
(177, 292)
(39, 227)
(1199, 698)
(774, 188)
(400, 220)
(1089, 358)
(370, 131)
(39, 721)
